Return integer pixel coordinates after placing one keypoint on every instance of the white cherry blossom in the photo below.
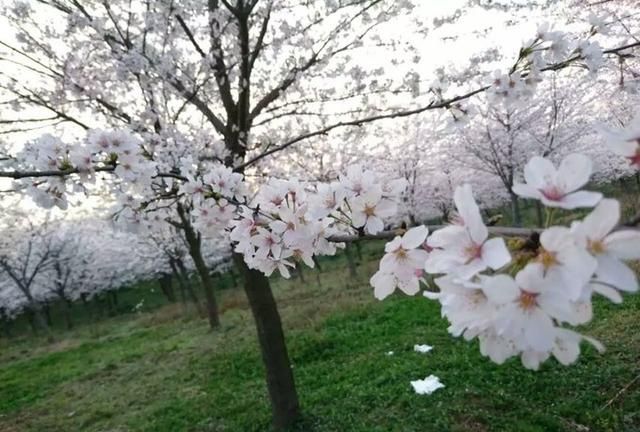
(558, 187)
(464, 249)
(597, 234)
(369, 210)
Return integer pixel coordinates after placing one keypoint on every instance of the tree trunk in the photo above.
(39, 321)
(166, 286)
(178, 277)
(359, 251)
(194, 243)
(68, 309)
(6, 327)
(47, 314)
(234, 278)
(280, 381)
(189, 287)
(351, 262)
(31, 319)
(6, 323)
(539, 215)
(318, 278)
(515, 210)
(300, 272)
(111, 307)
(317, 263)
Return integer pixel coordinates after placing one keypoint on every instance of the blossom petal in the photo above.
(539, 172)
(427, 385)
(580, 199)
(621, 145)
(500, 289)
(386, 208)
(624, 244)
(601, 220)
(469, 270)
(414, 237)
(526, 191)
(539, 333)
(566, 351)
(383, 284)
(470, 213)
(574, 172)
(495, 253)
(454, 234)
(556, 238)
(374, 225)
(393, 244)
(532, 359)
(410, 286)
(614, 272)
(607, 291)
(358, 218)
(439, 262)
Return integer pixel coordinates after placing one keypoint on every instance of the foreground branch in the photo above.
(495, 230)
(53, 173)
(390, 234)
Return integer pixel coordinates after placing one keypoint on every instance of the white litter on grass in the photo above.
(427, 385)
(390, 353)
(422, 348)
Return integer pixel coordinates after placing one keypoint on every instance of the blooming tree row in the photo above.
(45, 260)
(264, 78)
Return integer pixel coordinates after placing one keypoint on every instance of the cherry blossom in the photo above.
(464, 248)
(369, 210)
(558, 187)
(564, 262)
(596, 234)
(401, 266)
(626, 142)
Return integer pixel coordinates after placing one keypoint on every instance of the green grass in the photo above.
(162, 370)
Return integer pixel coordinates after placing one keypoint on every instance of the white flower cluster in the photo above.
(124, 151)
(215, 197)
(522, 305)
(546, 50)
(103, 149)
(288, 222)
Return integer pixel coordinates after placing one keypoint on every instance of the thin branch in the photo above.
(52, 173)
(189, 34)
(390, 234)
(622, 390)
(359, 122)
(431, 106)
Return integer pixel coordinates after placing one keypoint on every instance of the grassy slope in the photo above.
(158, 371)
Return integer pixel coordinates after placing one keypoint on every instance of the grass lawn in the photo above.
(162, 371)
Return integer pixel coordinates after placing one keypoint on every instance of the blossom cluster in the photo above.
(114, 150)
(288, 222)
(548, 48)
(523, 304)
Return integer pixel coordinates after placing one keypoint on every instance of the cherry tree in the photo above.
(503, 137)
(28, 252)
(239, 74)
